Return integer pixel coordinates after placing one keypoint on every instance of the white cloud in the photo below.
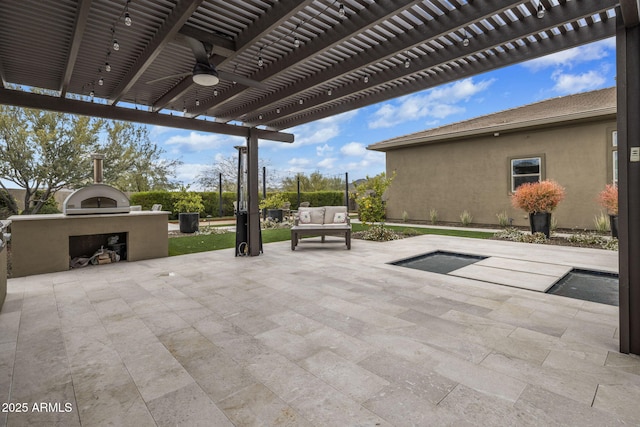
(574, 83)
(353, 149)
(326, 163)
(321, 131)
(299, 162)
(573, 56)
(321, 151)
(195, 141)
(187, 172)
(436, 103)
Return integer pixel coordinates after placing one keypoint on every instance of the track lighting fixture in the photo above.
(366, 78)
(296, 42)
(260, 117)
(330, 92)
(465, 41)
(540, 13)
(407, 63)
(341, 11)
(116, 45)
(92, 94)
(215, 92)
(107, 67)
(260, 61)
(101, 82)
(277, 111)
(197, 102)
(301, 102)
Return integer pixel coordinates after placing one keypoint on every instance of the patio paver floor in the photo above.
(320, 336)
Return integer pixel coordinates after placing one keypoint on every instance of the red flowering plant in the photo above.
(542, 196)
(608, 199)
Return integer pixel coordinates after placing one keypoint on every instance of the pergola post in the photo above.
(253, 226)
(628, 125)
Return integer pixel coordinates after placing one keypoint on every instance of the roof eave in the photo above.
(490, 130)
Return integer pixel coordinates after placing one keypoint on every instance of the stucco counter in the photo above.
(40, 243)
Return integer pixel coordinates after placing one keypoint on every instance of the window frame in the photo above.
(541, 174)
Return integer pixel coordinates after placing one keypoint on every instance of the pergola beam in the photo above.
(398, 45)
(280, 12)
(295, 113)
(82, 14)
(491, 62)
(74, 106)
(174, 22)
(367, 18)
(630, 13)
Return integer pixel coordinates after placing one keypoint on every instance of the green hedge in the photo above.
(210, 199)
(315, 198)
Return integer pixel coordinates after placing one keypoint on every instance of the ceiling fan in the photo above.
(204, 73)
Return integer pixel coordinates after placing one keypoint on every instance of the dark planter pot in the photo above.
(613, 220)
(540, 223)
(275, 214)
(189, 222)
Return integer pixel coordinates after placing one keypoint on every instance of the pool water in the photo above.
(439, 262)
(589, 286)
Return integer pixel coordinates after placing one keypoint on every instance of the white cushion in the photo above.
(305, 217)
(339, 217)
(317, 214)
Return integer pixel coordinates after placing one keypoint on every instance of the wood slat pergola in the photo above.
(282, 63)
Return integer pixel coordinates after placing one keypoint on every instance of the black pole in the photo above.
(346, 190)
(298, 191)
(220, 191)
(264, 189)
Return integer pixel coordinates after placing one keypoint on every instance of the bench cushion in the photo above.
(330, 214)
(316, 215)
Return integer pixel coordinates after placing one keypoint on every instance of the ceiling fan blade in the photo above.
(173, 76)
(198, 49)
(241, 80)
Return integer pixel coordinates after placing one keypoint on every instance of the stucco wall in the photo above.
(474, 174)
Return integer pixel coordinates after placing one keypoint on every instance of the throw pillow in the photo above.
(339, 217)
(305, 217)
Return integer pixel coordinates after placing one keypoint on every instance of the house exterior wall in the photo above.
(474, 174)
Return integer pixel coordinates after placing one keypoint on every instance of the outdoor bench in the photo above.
(321, 221)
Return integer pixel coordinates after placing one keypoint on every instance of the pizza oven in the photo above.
(98, 198)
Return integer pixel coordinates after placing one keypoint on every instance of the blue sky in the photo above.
(336, 145)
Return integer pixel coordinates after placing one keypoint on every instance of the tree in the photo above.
(314, 182)
(43, 150)
(133, 162)
(228, 166)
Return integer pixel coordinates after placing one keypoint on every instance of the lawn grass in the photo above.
(213, 242)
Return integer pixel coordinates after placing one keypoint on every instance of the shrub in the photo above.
(608, 199)
(188, 202)
(273, 201)
(503, 219)
(379, 233)
(601, 223)
(433, 216)
(466, 218)
(368, 195)
(515, 235)
(543, 196)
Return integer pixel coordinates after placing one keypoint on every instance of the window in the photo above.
(525, 170)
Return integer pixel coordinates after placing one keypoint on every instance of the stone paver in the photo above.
(317, 337)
